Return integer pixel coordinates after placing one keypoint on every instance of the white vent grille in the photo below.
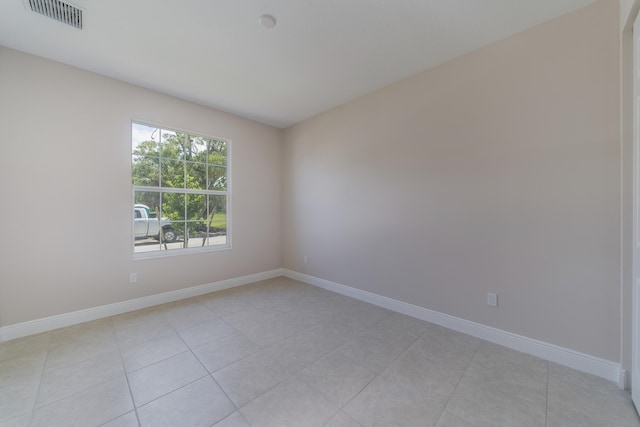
(59, 11)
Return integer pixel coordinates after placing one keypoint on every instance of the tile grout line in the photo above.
(261, 348)
(44, 364)
(378, 374)
(209, 374)
(126, 376)
(71, 366)
(135, 406)
(52, 340)
(460, 380)
(288, 376)
(546, 401)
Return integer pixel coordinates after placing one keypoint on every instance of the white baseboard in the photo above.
(67, 319)
(623, 382)
(582, 362)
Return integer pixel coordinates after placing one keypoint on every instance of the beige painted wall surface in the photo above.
(496, 172)
(66, 192)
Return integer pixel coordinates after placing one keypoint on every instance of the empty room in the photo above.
(319, 213)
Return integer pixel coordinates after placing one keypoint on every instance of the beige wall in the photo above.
(496, 172)
(66, 192)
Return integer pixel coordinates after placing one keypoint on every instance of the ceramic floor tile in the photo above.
(338, 378)
(224, 303)
(327, 335)
(21, 368)
(304, 319)
(578, 399)
(312, 291)
(78, 351)
(361, 316)
(164, 377)
(282, 305)
(296, 353)
(275, 330)
(246, 296)
(256, 295)
(225, 351)
(250, 377)
(384, 403)
(585, 381)
(448, 420)
(93, 329)
(70, 380)
(292, 403)
(127, 420)
(234, 420)
(401, 339)
(139, 333)
(422, 377)
(294, 288)
(17, 399)
(22, 421)
(527, 381)
(500, 354)
(281, 345)
(206, 332)
(247, 319)
(94, 406)
(139, 318)
(153, 351)
(291, 299)
(373, 354)
(342, 420)
(23, 347)
(331, 305)
(439, 344)
(323, 308)
(187, 315)
(201, 403)
(492, 404)
(396, 329)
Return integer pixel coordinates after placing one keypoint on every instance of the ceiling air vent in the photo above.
(59, 11)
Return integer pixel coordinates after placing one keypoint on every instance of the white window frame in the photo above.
(161, 253)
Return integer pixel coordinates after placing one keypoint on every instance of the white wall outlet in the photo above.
(305, 259)
(492, 299)
(133, 277)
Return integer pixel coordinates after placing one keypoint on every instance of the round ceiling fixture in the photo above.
(267, 21)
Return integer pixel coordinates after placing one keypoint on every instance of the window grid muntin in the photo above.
(203, 142)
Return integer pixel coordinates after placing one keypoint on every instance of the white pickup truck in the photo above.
(144, 225)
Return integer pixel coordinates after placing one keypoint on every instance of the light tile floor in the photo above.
(283, 353)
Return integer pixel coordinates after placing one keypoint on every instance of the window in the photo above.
(180, 191)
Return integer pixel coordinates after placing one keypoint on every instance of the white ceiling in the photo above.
(321, 53)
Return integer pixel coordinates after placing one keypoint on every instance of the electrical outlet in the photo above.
(492, 299)
(306, 259)
(133, 277)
